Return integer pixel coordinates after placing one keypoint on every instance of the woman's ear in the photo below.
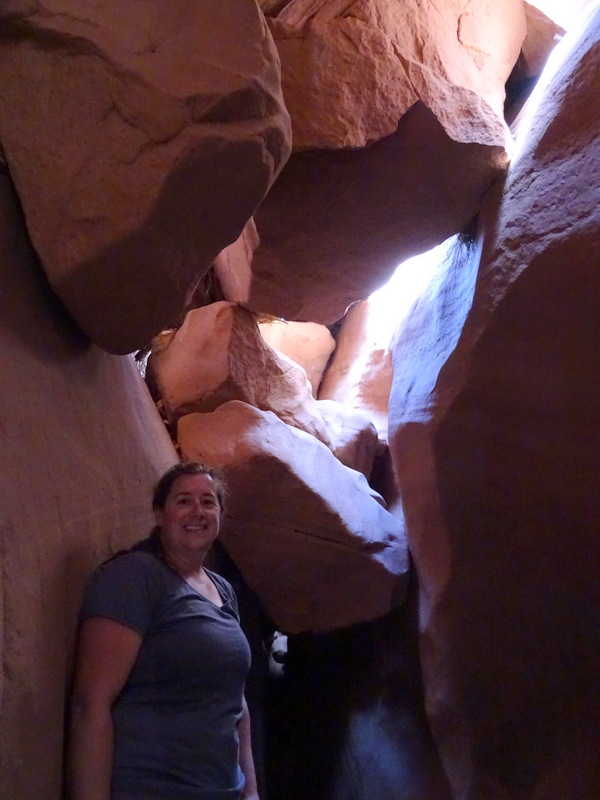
(158, 516)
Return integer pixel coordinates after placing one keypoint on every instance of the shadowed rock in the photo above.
(138, 151)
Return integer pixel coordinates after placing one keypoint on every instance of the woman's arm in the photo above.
(106, 652)
(246, 759)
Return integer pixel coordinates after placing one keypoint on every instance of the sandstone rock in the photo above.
(82, 445)
(218, 355)
(138, 151)
(306, 343)
(307, 533)
(360, 374)
(232, 265)
(399, 197)
(353, 437)
(495, 414)
(350, 70)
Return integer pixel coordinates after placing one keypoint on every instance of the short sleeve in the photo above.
(125, 589)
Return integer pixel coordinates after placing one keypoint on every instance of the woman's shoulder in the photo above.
(129, 568)
(126, 588)
(129, 559)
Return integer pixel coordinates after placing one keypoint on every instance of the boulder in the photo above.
(306, 343)
(308, 534)
(82, 445)
(342, 215)
(353, 437)
(219, 355)
(335, 225)
(351, 70)
(139, 151)
(495, 421)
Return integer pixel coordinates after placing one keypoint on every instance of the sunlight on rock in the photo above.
(390, 304)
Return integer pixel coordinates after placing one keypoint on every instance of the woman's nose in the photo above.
(197, 506)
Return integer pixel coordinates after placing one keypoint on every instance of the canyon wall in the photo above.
(494, 415)
(82, 445)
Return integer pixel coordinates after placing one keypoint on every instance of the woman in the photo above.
(158, 706)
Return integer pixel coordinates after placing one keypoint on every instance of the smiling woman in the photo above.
(187, 525)
(158, 707)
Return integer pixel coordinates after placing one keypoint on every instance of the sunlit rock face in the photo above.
(360, 374)
(82, 445)
(140, 149)
(310, 537)
(336, 224)
(306, 343)
(352, 68)
(218, 355)
(495, 413)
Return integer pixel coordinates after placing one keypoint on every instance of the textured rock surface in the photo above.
(308, 534)
(360, 374)
(352, 68)
(306, 343)
(232, 265)
(352, 436)
(218, 355)
(81, 445)
(138, 151)
(495, 411)
(335, 225)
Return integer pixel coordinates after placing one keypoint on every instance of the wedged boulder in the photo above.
(350, 70)
(360, 373)
(392, 200)
(306, 343)
(357, 74)
(308, 534)
(353, 437)
(82, 445)
(219, 355)
(138, 151)
(495, 412)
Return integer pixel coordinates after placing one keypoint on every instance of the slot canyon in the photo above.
(202, 203)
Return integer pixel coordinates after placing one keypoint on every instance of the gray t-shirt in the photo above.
(175, 721)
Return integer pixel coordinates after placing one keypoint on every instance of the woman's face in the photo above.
(189, 522)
